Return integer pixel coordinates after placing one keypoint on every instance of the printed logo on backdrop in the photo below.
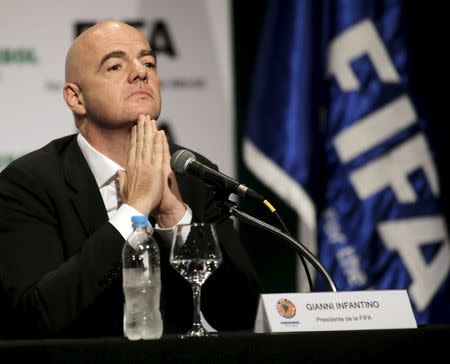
(17, 56)
(10, 56)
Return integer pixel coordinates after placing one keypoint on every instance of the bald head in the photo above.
(111, 76)
(84, 47)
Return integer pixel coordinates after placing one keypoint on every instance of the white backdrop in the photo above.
(196, 80)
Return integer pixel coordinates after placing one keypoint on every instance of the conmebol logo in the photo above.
(286, 308)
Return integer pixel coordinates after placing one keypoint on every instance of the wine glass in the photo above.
(195, 254)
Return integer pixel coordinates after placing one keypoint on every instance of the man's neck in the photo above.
(114, 143)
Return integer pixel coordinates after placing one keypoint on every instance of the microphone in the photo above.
(184, 162)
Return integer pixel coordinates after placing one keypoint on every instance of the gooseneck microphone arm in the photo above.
(230, 209)
(184, 162)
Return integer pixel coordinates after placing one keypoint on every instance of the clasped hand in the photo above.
(149, 184)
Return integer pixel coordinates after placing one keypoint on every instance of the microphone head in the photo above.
(180, 160)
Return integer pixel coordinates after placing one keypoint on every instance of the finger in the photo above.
(153, 124)
(158, 151)
(152, 136)
(132, 150)
(140, 137)
(148, 140)
(166, 150)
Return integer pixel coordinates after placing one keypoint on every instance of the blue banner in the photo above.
(334, 129)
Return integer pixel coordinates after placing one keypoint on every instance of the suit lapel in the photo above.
(86, 197)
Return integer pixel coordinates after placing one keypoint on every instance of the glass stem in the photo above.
(196, 290)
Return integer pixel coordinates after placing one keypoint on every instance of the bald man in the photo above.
(66, 208)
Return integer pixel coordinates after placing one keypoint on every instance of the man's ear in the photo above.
(74, 99)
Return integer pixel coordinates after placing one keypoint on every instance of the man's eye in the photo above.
(150, 65)
(115, 67)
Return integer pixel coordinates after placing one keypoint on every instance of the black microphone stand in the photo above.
(230, 209)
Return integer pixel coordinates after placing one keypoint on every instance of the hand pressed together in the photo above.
(149, 184)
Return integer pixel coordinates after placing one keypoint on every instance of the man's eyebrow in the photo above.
(147, 52)
(113, 54)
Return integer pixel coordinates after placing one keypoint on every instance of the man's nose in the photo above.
(138, 72)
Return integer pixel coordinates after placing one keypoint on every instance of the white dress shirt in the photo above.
(104, 170)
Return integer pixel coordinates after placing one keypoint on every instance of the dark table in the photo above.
(425, 344)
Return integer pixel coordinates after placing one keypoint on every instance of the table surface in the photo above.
(424, 343)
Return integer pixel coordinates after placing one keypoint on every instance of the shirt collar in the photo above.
(103, 168)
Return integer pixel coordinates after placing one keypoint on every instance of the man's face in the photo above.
(118, 78)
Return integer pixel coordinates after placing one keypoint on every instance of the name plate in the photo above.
(333, 311)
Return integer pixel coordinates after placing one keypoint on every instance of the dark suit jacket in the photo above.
(60, 258)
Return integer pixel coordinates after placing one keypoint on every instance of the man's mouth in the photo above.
(140, 93)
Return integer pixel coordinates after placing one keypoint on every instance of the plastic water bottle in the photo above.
(141, 283)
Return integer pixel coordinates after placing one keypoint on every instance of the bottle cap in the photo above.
(139, 220)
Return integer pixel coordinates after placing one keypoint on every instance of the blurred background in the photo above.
(234, 72)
